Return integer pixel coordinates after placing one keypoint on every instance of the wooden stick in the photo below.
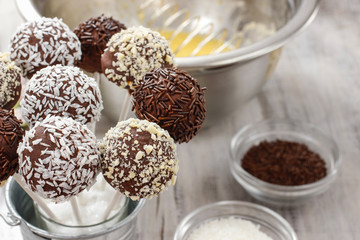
(35, 198)
(75, 208)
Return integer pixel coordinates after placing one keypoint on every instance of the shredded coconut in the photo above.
(230, 228)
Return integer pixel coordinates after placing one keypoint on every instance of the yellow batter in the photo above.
(186, 51)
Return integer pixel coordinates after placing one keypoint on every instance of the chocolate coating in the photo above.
(11, 134)
(10, 82)
(94, 35)
(132, 53)
(59, 158)
(44, 42)
(139, 158)
(174, 100)
(63, 91)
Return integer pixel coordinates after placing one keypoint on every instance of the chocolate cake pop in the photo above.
(132, 53)
(63, 91)
(11, 134)
(59, 157)
(174, 100)
(94, 35)
(139, 158)
(10, 82)
(44, 42)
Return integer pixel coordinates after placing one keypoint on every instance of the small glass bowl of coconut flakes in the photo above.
(234, 220)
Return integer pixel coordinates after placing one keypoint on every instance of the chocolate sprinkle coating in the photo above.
(139, 158)
(94, 35)
(174, 100)
(11, 135)
(44, 42)
(10, 82)
(63, 91)
(132, 53)
(59, 158)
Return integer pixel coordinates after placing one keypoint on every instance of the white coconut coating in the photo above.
(44, 42)
(63, 91)
(58, 158)
(139, 158)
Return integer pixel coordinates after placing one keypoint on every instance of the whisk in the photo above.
(193, 34)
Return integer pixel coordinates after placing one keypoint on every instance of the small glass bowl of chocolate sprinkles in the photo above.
(283, 162)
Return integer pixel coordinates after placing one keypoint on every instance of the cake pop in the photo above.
(11, 134)
(10, 82)
(133, 52)
(44, 42)
(64, 91)
(139, 158)
(174, 100)
(59, 157)
(94, 35)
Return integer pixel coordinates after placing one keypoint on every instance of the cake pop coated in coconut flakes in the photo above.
(44, 42)
(94, 35)
(132, 53)
(59, 158)
(64, 91)
(11, 134)
(139, 158)
(10, 82)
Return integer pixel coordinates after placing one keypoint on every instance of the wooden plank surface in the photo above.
(317, 81)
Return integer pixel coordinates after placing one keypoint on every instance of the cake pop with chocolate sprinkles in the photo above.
(174, 100)
(58, 158)
(133, 52)
(11, 134)
(10, 82)
(94, 35)
(139, 158)
(63, 91)
(44, 42)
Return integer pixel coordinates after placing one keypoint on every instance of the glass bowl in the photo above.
(270, 223)
(290, 130)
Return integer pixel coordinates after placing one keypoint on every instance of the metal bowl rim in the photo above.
(304, 15)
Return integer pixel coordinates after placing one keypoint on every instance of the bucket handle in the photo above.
(11, 220)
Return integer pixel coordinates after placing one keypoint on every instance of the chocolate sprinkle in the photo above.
(11, 134)
(174, 100)
(94, 35)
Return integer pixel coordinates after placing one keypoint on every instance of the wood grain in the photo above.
(317, 81)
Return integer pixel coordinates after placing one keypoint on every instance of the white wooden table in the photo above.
(317, 81)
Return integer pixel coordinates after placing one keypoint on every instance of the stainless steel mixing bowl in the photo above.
(231, 77)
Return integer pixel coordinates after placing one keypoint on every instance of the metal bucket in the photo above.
(22, 212)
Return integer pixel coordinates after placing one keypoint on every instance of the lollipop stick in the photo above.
(125, 108)
(115, 199)
(97, 77)
(75, 208)
(92, 125)
(123, 114)
(35, 198)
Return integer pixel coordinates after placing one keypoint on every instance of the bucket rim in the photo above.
(44, 233)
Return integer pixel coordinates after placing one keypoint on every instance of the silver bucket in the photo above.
(23, 213)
